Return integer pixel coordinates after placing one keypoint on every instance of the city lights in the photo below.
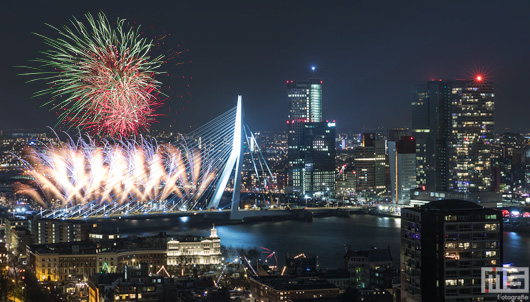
(127, 176)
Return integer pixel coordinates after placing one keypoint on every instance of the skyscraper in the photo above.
(444, 245)
(421, 128)
(319, 159)
(472, 125)
(305, 105)
(311, 151)
(369, 160)
(453, 122)
(395, 134)
(402, 158)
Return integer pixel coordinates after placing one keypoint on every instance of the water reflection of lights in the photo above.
(184, 218)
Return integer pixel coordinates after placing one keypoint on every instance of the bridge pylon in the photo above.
(234, 161)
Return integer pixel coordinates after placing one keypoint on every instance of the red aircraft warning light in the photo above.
(479, 78)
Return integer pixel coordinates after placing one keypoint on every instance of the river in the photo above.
(327, 237)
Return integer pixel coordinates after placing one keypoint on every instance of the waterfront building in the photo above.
(305, 106)
(453, 122)
(63, 262)
(319, 159)
(45, 231)
(191, 250)
(402, 158)
(311, 142)
(420, 197)
(444, 245)
(370, 164)
(77, 261)
(346, 183)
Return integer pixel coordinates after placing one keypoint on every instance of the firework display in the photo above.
(80, 172)
(100, 76)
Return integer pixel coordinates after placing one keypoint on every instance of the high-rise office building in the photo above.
(370, 164)
(402, 158)
(395, 134)
(311, 151)
(305, 106)
(444, 245)
(319, 159)
(421, 127)
(508, 160)
(472, 125)
(453, 122)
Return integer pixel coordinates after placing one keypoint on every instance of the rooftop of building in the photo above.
(452, 204)
(373, 254)
(66, 248)
(285, 283)
(89, 247)
(106, 278)
(334, 274)
(188, 238)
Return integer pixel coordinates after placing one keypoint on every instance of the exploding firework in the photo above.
(80, 172)
(100, 77)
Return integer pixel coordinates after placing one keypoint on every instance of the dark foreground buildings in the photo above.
(444, 245)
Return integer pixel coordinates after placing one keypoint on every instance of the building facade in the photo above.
(311, 142)
(444, 245)
(370, 164)
(305, 106)
(45, 231)
(402, 158)
(359, 263)
(278, 289)
(194, 250)
(319, 159)
(453, 122)
(78, 262)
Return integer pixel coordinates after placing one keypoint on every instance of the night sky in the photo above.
(368, 53)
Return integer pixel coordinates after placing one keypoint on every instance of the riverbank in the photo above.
(328, 237)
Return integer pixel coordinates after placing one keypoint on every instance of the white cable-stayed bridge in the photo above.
(190, 176)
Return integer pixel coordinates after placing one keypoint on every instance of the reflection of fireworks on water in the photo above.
(103, 76)
(76, 173)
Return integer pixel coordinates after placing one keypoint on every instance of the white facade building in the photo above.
(194, 250)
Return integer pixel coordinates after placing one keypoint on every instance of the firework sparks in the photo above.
(81, 172)
(270, 254)
(100, 77)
